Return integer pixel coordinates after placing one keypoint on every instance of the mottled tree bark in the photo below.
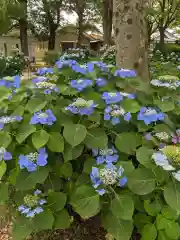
(23, 25)
(107, 21)
(131, 36)
(80, 7)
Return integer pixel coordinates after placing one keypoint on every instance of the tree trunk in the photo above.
(131, 36)
(161, 40)
(80, 6)
(23, 26)
(52, 37)
(80, 30)
(107, 21)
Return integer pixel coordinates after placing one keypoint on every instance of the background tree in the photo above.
(131, 36)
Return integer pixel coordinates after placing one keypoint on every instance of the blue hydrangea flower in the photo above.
(114, 112)
(9, 119)
(108, 175)
(39, 79)
(101, 82)
(45, 118)
(161, 160)
(123, 73)
(128, 95)
(32, 205)
(81, 107)
(37, 192)
(106, 155)
(81, 84)
(5, 155)
(11, 82)
(33, 160)
(78, 69)
(112, 97)
(149, 115)
(44, 71)
(65, 63)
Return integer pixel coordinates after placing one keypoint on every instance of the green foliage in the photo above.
(86, 165)
(51, 57)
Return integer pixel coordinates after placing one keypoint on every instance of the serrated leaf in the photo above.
(85, 201)
(56, 201)
(96, 138)
(131, 105)
(35, 105)
(127, 142)
(122, 206)
(141, 181)
(74, 134)
(40, 138)
(3, 168)
(56, 142)
(72, 153)
(5, 139)
(62, 220)
(44, 220)
(170, 213)
(153, 208)
(118, 228)
(173, 230)
(144, 156)
(24, 131)
(172, 195)
(149, 232)
(88, 164)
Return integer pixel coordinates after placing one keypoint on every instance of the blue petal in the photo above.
(122, 181)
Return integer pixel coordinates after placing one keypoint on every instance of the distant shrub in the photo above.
(51, 57)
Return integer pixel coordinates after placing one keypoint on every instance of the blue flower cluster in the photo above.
(81, 84)
(9, 119)
(44, 71)
(112, 97)
(101, 82)
(33, 205)
(11, 82)
(106, 173)
(44, 118)
(33, 160)
(81, 107)
(114, 112)
(105, 155)
(149, 115)
(5, 155)
(123, 73)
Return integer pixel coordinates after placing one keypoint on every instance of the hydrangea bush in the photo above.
(91, 140)
(77, 54)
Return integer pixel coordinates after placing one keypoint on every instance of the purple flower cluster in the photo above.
(101, 82)
(5, 155)
(81, 107)
(44, 71)
(13, 82)
(176, 137)
(81, 84)
(33, 160)
(44, 118)
(33, 205)
(114, 112)
(149, 115)
(9, 119)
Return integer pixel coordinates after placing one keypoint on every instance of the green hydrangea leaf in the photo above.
(56, 201)
(40, 138)
(62, 220)
(149, 232)
(56, 142)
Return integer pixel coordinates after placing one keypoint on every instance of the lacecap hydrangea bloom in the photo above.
(49, 87)
(169, 159)
(44, 71)
(112, 97)
(107, 175)
(114, 112)
(44, 118)
(81, 84)
(82, 107)
(9, 119)
(33, 205)
(11, 82)
(109, 155)
(33, 160)
(123, 73)
(149, 115)
(5, 155)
